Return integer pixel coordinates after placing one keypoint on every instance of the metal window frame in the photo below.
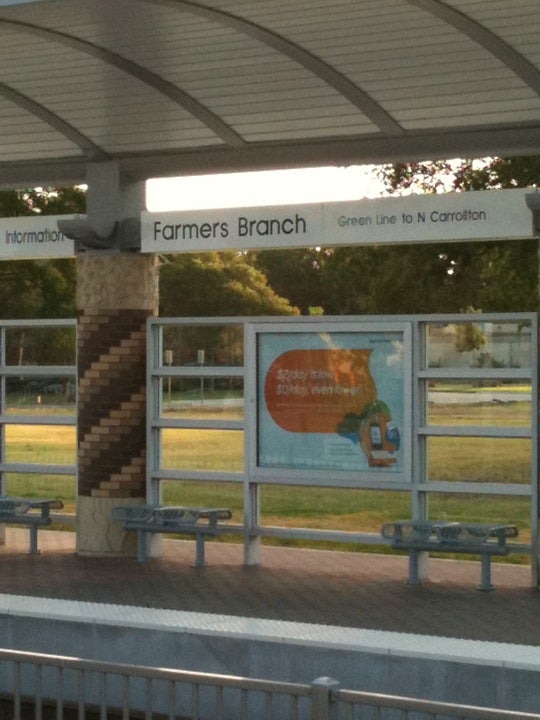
(7, 419)
(417, 484)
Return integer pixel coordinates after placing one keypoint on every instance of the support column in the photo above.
(116, 294)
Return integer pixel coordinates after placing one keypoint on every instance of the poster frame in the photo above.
(371, 478)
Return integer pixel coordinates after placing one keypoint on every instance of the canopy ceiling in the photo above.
(170, 87)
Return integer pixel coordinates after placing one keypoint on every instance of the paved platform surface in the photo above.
(349, 589)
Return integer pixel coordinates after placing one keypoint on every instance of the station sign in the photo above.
(34, 237)
(449, 217)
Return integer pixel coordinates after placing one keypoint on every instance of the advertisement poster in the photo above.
(332, 401)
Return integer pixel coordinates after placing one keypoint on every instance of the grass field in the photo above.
(449, 458)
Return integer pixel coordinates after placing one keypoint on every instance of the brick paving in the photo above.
(324, 587)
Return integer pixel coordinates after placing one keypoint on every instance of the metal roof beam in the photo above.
(91, 151)
(178, 96)
(347, 89)
(494, 44)
(469, 142)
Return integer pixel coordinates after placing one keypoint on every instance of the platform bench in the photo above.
(450, 537)
(34, 513)
(145, 519)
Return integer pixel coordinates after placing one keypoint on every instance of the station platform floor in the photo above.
(338, 588)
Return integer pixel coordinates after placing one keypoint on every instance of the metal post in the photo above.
(486, 573)
(142, 545)
(33, 539)
(323, 706)
(168, 361)
(199, 550)
(201, 360)
(252, 542)
(413, 567)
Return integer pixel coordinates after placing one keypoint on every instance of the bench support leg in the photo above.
(418, 566)
(199, 550)
(413, 567)
(486, 573)
(141, 545)
(33, 539)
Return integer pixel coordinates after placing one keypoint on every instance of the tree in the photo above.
(294, 274)
(215, 284)
(459, 175)
(494, 276)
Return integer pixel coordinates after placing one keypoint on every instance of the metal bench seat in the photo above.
(32, 512)
(481, 539)
(145, 519)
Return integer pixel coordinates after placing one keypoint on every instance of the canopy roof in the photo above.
(170, 87)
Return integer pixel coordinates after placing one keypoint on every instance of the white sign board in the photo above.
(24, 238)
(232, 228)
(485, 215)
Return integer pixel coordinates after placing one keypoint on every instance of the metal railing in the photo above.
(34, 682)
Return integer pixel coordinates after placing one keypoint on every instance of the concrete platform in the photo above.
(344, 589)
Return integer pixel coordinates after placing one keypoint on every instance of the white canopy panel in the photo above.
(170, 87)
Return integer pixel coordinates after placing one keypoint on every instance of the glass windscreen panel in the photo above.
(43, 485)
(479, 460)
(202, 449)
(40, 444)
(481, 344)
(203, 346)
(205, 493)
(205, 398)
(507, 510)
(41, 346)
(332, 508)
(40, 395)
(479, 402)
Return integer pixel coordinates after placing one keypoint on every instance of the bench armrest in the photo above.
(133, 512)
(14, 506)
(412, 531)
(418, 530)
(169, 515)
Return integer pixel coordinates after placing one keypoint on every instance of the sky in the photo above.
(272, 187)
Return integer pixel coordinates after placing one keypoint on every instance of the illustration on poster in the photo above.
(332, 391)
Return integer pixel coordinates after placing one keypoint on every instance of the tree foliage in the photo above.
(460, 175)
(492, 276)
(215, 284)
(295, 274)
(432, 278)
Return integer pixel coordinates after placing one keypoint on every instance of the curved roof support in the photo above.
(494, 44)
(188, 103)
(347, 89)
(92, 151)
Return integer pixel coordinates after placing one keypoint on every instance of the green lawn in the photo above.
(449, 458)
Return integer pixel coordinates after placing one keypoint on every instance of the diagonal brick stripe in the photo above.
(112, 404)
(115, 447)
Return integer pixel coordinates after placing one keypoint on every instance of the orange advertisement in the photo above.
(310, 391)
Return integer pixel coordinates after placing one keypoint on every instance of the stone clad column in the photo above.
(116, 293)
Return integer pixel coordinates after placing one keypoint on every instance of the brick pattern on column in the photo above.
(112, 403)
